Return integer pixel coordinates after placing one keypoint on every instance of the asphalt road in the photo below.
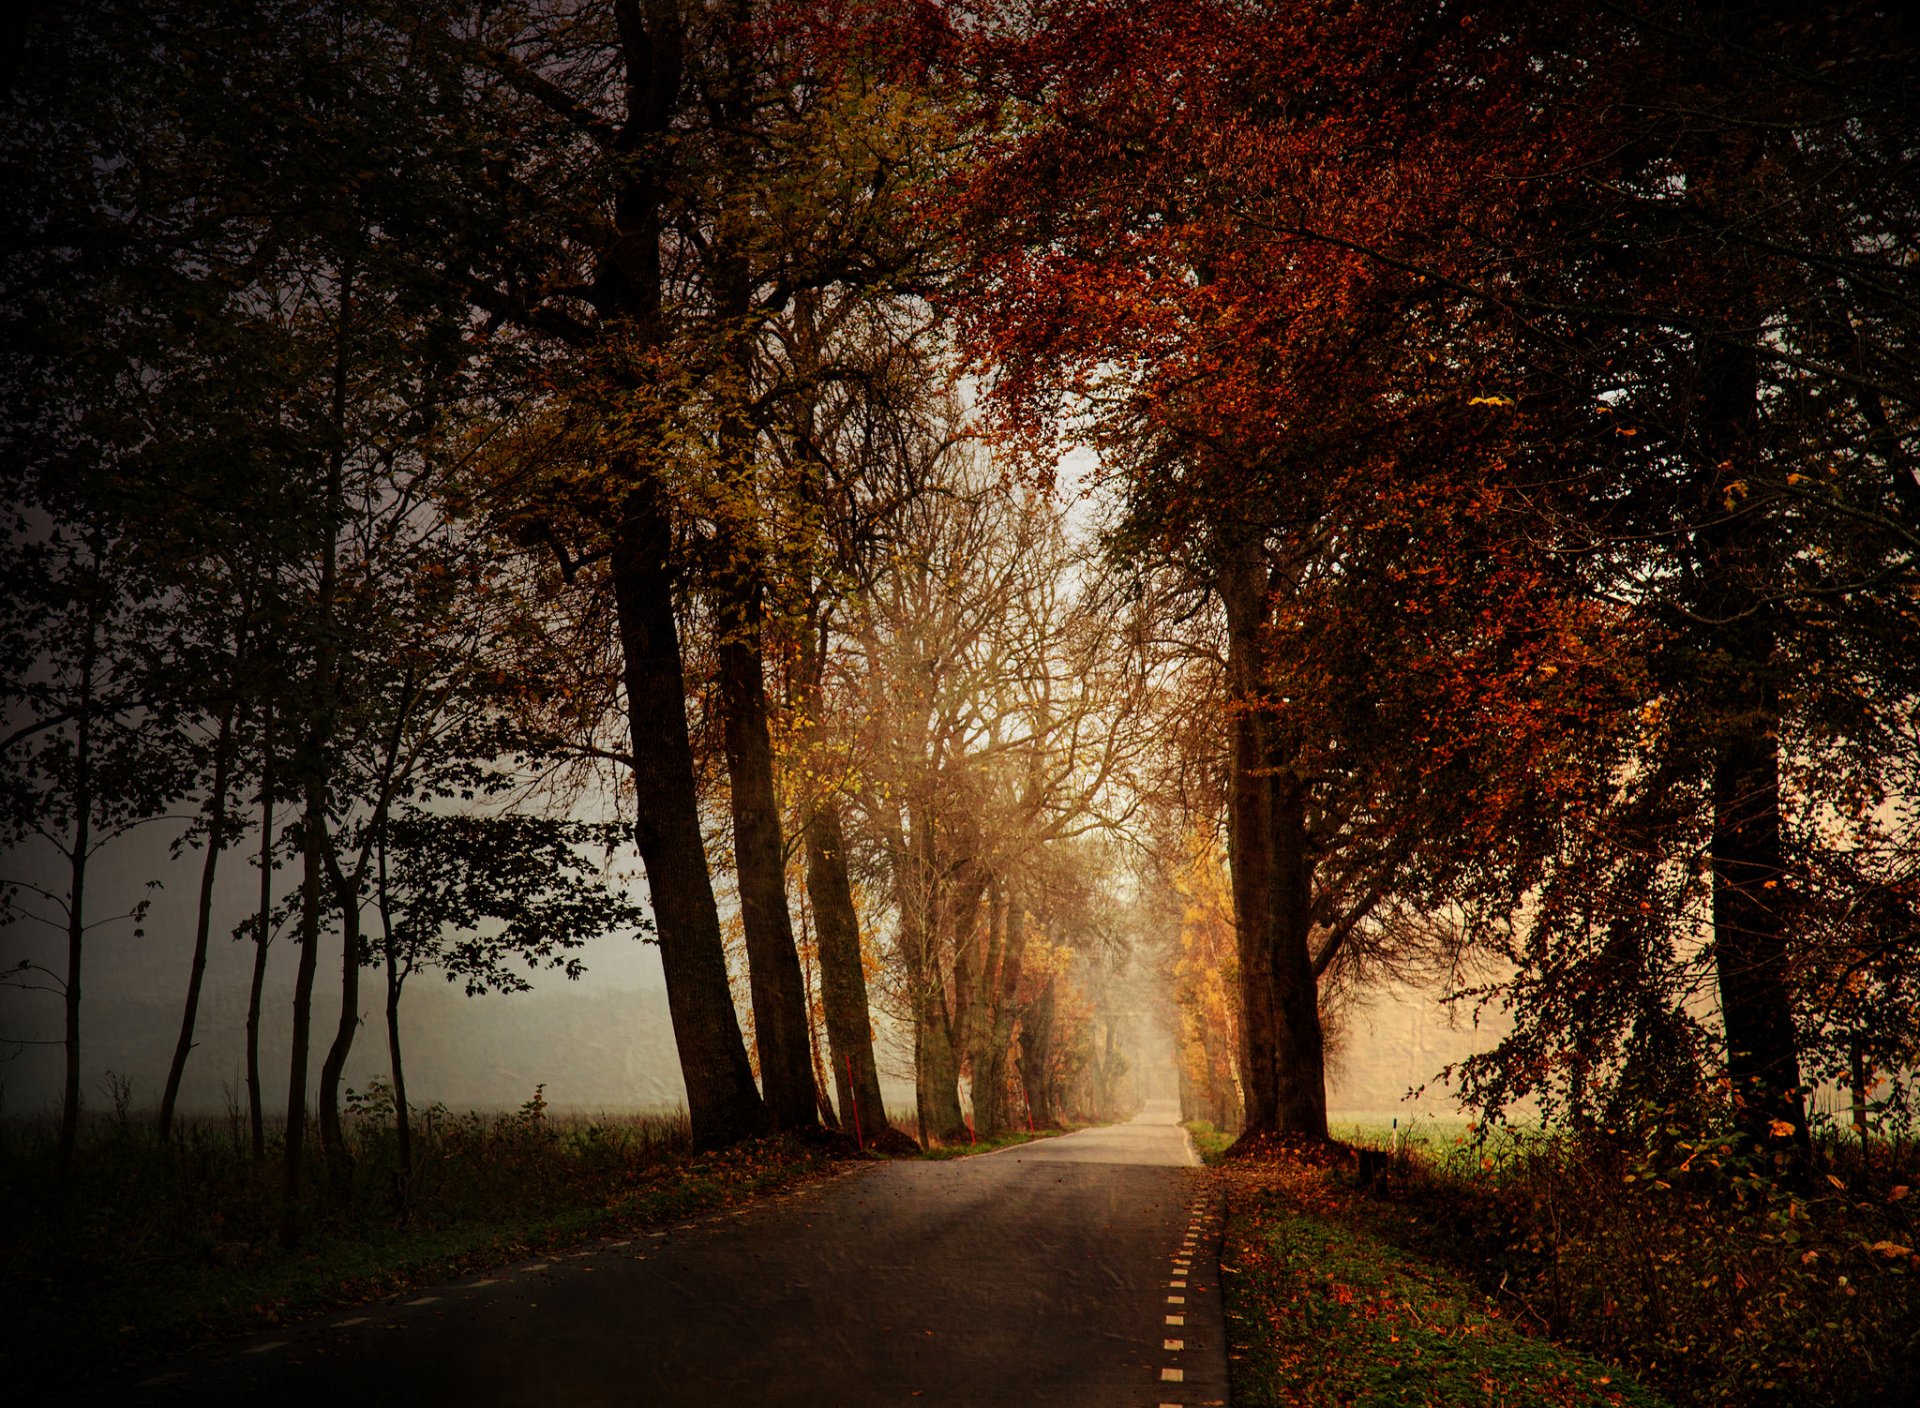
(1076, 1270)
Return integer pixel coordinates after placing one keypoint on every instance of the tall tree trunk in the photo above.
(1107, 1101)
(1299, 1040)
(936, 1064)
(815, 1046)
(346, 897)
(773, 964)
(722, 1103)
(77, 882)
(313, 771)
(353, 954)
(203, 917)
(76, 941)
(1036, 1057)
(402, 1115)
(936, 1073)
(975, 954)
(262, 937)
(994, 1115)
(1739, 572)
(313, 825)
(780, 1024)
(1282, 1045)
(1750, 949)
(1250, 845)
(843, 976)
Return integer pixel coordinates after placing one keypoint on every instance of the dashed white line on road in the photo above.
(1172, 1376)
(490, 1281)
(267, 1347)
(424, 1300)
(355, 1320)
(1176, 1285)
(1173, 1344)
(1176, 1300)
(1176, 1319)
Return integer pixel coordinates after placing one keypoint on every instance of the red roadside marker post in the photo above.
(854, 1101)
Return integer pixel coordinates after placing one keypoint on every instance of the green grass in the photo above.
(1209, 1143)
(1414, 1133)
(1709, 1273)
(1323, 1313)
(1417, 1134)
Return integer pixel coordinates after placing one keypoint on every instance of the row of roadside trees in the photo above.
(1528, 397)
(430, 425)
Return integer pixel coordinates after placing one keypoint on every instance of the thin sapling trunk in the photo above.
(203, 916)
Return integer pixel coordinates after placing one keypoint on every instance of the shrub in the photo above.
(1722, 1276)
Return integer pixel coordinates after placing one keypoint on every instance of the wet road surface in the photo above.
(1079, 1270)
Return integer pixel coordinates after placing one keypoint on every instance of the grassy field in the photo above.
(1522, 1266)
(1420, 1134)
(1416, 1132)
